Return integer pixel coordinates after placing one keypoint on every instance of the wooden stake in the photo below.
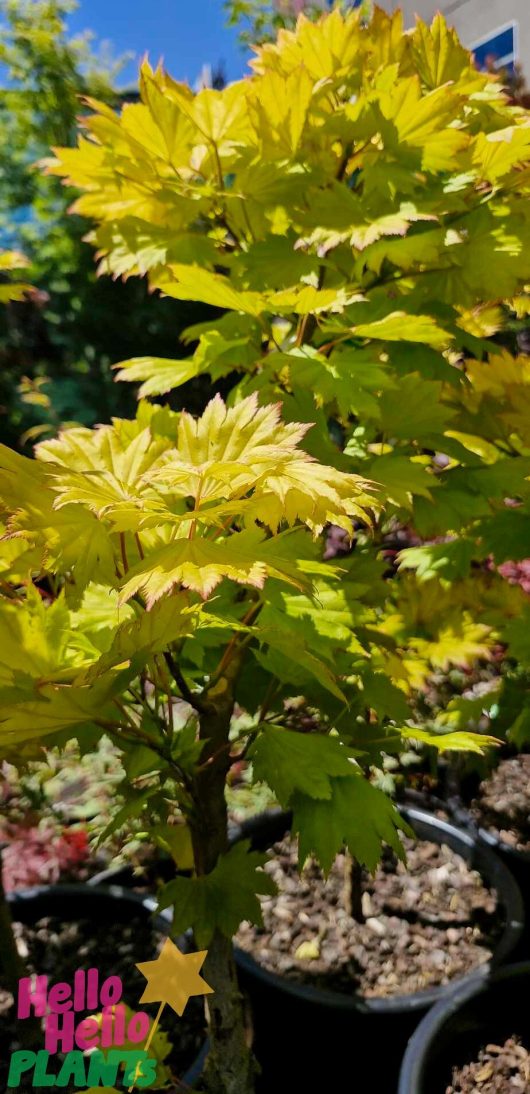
(152, 1032)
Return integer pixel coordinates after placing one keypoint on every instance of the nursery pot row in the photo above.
(518, 862)
(306, 1036)
(457, 794)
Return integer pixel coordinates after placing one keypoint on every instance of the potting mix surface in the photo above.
(499, 1069)
(502, 804)
(57, 949)
(424, 924)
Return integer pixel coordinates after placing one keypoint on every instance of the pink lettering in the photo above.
(29, 997)
(106, 1028)
(138, 1027)
(118, 1036)
(92, 989)
(58, 996)
(59, 1035)
(79, 989)
(111, 991)
(87, 1034)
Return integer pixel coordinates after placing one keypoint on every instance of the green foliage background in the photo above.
(57, 347)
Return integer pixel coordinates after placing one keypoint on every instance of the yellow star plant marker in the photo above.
(172, 978)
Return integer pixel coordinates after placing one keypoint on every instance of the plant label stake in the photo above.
(172, 978)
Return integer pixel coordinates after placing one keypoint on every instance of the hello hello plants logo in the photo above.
(95, 1055)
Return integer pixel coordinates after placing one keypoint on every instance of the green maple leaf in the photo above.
(423, 247)
(223, 898)
(519, 731)
(351, 378)
(382, 695)
(449, 561)
(464, 711)
(504, 478)
(506, 535)
(517, 634)
(357, 814)
(422, 398)
(131, 246)
(200, 565)
(402, 478)
(401, 327)
(192, 283)
(152, 632)
(449, 741)
(50, 708)
(289, 656)
(34, 638)
(450, 511)
(291, 762)
(158, 374)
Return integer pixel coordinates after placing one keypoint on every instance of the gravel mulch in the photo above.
(500, 1069)
(424, 923)
(502, 804)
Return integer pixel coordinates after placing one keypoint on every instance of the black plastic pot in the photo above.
(126, 876)
(110, 904)
(486, 1009)
(518, 862)
(324, 1028)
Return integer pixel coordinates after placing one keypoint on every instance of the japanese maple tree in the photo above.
(357, 211)
(156, 572)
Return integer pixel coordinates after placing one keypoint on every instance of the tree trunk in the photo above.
(230, 1067)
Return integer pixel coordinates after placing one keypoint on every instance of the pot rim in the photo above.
(489, 865)
(77, 889)
(465, 818)
(458, 804)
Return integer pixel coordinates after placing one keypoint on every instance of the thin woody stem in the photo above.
(123, 551)
(269, 696)
(187, 694)
(236, 642)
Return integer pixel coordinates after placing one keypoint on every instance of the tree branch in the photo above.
(235, 642)
(187, 694)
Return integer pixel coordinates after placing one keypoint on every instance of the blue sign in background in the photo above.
(499, 46)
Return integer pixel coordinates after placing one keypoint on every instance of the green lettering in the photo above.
(103, 1069)
(20, 1061)
(40, 1075)
(140, 1069)
(73, 1070)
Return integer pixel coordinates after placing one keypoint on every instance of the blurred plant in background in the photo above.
(260, 20)
(57, 344)
(51, 809)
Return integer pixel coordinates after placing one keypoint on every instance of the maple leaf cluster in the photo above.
(357, 210)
